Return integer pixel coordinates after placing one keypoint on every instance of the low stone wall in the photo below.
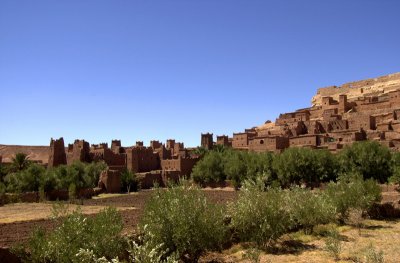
(147, 180)
(30, 197)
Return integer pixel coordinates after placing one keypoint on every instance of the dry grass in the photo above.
(33, 211)
(298, 247)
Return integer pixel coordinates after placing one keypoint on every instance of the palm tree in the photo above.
(200, 151)
(20, 161)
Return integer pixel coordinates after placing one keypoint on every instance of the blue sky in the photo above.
(142, 70)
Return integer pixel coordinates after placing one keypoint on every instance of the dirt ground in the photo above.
(382, 236)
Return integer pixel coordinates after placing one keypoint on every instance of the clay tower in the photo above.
(57, 153)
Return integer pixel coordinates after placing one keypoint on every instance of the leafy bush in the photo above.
(25, 180)
(368, 158)
(36, 177)
(303, 165)
(352, 192)
(145, 251)
(100, 234)
(309, 209)
(210, 168)
(395, 163)
(183, 221)
(241, 166)
(2, 188)
(333, 244)
(93, 171)
(260, 216)
(3, 172)
(221, 164)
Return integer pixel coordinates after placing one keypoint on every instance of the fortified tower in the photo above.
(207, 141)
(57, 153)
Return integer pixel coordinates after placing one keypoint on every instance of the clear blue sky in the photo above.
(142, 70)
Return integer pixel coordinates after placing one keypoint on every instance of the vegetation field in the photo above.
(18, 220)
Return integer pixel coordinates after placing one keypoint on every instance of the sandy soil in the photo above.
(381, 235)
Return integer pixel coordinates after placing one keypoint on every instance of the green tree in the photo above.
(210, 168)
(303, 165)
(395, 178)
(93, 171)
(200, 151)
(368, 158)
(20, 162)
(235, 167)
(25, 180)
(128, 180)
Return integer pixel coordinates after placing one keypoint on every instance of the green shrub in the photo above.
(303, 165)
(309, 209)
(144, 250)
(210, 168)
(100, 234)
(395, 163)
(25, 180)
(235, 167)
(36, 177)
(3, 172)
(93, 171)
(183, 221)
(260, 216)
(2, 188)
(76, 174)
(372, 255)
(368, 158)
(352, 192)
(240, 166)
(333, 244)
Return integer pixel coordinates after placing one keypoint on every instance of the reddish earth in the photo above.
(12, 233)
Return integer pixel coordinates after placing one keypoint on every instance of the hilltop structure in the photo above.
(356, 111)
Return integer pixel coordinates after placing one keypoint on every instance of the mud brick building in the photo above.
(158, 162)
(207, 141)
(361, 110)
(338, 116)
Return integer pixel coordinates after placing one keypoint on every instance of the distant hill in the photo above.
(35, 153)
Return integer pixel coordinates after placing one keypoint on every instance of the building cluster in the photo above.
(362, 110)
(356, 111)
(157, 163)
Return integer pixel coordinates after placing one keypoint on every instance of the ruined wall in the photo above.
(79, 151)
